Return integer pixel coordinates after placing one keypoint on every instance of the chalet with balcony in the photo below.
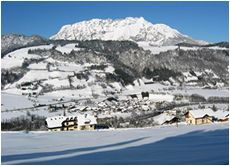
(67, 123)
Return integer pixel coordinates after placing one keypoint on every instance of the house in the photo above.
(165, 118)
(29, 89)
(70, 123)
(199, 116)
(28, 85)
(224, 119)
(204, 116)
(61, 123)
(222, 116)
(86, 122)
(66, 123)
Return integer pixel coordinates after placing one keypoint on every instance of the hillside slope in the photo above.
(11, 42)
(90, 62)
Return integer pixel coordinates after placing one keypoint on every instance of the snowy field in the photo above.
(188, 90)
(16, 58)
(158, 49)
(13, 101)
(203, 144)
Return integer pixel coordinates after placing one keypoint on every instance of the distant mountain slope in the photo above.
(219, 44)
(200, 66)
(11, 42)
(134, 29)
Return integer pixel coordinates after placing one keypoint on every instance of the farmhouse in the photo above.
(28, 85)
(224, 119)
(29, 88)
(86, 122)
(204, 116)
(61, 123)
(198, 117)
(222, 116)
(165, 118)
(65, 123)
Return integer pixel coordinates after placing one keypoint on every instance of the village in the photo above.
(64, 96)
(115, 83)
(134, 112)
(145, 109)
(125, 110)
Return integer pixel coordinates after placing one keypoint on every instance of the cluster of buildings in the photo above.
(89, 122)
(111, 106)
(193, 117)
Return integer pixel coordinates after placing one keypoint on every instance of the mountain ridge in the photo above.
(130, 28)
(13, 41)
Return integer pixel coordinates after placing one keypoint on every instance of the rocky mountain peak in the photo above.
(136, 29)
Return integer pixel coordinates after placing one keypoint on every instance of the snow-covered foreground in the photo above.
(204, 144)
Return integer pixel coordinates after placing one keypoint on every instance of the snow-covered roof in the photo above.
(162, 118)
(221, 114)
(56, 121)
(83, 119)
(86, 119)
(199, 113)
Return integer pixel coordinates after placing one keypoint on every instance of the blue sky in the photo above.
(200, 20)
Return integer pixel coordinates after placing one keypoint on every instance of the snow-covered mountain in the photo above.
(11, 42)
(134, 29)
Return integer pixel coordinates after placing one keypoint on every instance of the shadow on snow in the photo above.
(8, 158)
(198, 147)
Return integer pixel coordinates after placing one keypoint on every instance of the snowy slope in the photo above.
(58, 74)
(12, 101)
(135, 29)
(16, 58)
(156, 49)
(204, 144)
(10, 42)
(67, 48)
